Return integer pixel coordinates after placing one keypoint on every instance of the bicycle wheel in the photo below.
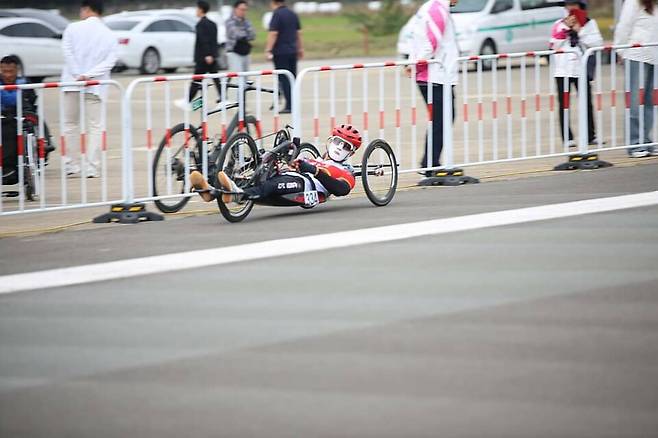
(239, 160)
(169, 167)
(307, 152)
(281, 136)
(379, 172)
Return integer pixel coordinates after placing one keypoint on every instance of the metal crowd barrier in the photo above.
(211, 129)
(34, 181)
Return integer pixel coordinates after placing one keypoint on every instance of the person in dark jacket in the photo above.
(206, 49)
(284, 45)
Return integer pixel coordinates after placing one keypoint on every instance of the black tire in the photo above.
(170, 70)
(177, 174)
(377, 157)
(308, 151)
(237, 212)
(150, 62)
(488, 48)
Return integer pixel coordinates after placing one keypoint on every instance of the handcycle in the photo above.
(247, 166)
(169, 164)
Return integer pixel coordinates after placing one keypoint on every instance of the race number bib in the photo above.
(311, 198)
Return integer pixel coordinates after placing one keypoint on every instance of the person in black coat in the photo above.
(206, 49)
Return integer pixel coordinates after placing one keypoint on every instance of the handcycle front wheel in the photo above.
(307, 151)
(379, 172)
(239, 160)
(168, 172)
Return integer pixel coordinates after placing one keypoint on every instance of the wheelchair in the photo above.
(22, 161)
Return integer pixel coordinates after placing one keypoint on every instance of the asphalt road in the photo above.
(539, 329)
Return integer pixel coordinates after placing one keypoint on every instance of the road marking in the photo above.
(275, 248)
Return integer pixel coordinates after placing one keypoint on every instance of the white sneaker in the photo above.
(639, 153)
(572, 144)
(183, 104)
(653, 152)
(72, 169)
(230, 186)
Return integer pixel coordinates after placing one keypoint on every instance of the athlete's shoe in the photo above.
(199, 183)
(228, 185)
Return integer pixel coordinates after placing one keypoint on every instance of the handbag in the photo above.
(242, 47)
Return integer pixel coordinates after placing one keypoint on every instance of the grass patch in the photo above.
(327, 36)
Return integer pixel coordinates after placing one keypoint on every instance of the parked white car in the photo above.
(497, 26)
(152, 42)
(37, 45)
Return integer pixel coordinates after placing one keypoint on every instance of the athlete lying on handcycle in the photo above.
(306, 182)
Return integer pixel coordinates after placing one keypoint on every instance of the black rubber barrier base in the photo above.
(448, 177)
(128, 214)
(583, 162)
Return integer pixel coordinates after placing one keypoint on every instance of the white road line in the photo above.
(274, 248)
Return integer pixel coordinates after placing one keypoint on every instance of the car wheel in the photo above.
(150, 62)
(488, 48)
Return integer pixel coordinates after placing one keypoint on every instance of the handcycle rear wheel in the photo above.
(238, 159)
(169, 174)
(379, 172)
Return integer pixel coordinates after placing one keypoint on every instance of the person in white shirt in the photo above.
(638, 23)
(90, 52)
(575, 33)
(434, 37)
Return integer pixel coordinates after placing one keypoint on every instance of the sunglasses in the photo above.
(342, 143)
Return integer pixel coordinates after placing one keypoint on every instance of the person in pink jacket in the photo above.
(575, 33)
(434, 37)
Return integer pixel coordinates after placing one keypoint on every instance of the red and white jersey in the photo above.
(337, 171)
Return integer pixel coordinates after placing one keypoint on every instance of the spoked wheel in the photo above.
(379, 172)
(239, 160)
(307, 151)
(169, 167)
(281, 136)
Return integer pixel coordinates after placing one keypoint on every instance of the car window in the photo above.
(501, 6)
(121, 24)
(160, 26)
(179, 26)
(28, 30)
(469, 6)
(537, 4)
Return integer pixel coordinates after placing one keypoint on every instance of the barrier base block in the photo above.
(583, 162)
(128, 214)
(448, 177)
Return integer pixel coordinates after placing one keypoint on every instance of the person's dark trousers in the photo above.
(437, 120)
(203, 68)
(9, 150)
(573, 106)
(286, 62)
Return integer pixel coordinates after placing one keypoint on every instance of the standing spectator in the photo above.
(90, 52)
(575, 32)
(239, 33)
(433, 37)
(206, 51)
(284, 45)
(638, 23)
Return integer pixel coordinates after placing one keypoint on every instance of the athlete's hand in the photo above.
(303, 166)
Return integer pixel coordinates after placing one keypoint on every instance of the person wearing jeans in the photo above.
(239, 33)
(638, 23)
(90, 52)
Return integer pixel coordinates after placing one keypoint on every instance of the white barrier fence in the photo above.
(83, 176)
(186, 145)
(504, 114)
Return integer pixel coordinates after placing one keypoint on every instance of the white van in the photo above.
(485, 27)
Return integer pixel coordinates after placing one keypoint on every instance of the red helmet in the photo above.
(348, 133)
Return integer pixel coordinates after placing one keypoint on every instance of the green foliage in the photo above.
(387, 21)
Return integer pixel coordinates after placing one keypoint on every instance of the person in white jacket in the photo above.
(90, 52)
(575, 36)
(638, 23)
(434, 37)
